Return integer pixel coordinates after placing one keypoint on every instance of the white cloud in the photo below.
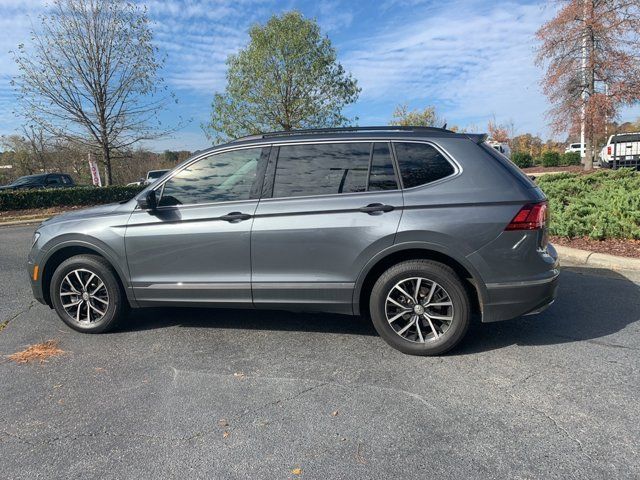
(333, 15)
(474, 59)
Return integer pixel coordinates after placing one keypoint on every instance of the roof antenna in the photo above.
(444, 127)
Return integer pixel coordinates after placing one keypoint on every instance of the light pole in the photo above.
(583, 108)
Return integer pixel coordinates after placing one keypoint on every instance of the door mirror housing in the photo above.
(148, 201)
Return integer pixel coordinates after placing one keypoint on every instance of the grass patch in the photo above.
(601, 205)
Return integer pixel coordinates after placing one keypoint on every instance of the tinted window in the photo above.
(53, 180)
(217, 178)
(382, 176)
(421, 163)
(625, 138)
(66, 179)
(321, 169)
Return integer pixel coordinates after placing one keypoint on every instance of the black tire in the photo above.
(445, 278)
(117, 304)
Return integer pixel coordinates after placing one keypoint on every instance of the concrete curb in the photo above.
(598, 260)
(31, 221)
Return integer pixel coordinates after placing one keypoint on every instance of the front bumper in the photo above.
(36, 285)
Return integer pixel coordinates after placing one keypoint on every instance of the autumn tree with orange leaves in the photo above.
(591, 53)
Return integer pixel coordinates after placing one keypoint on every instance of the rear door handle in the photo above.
(235, 217)
(376, 208)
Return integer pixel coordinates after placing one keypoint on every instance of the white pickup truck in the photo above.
(622, 150)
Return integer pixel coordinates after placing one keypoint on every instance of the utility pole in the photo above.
(583, 109)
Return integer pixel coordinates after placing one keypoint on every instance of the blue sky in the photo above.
(472, 59)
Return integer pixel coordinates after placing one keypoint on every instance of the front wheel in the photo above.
(420, 307)
(86, 294)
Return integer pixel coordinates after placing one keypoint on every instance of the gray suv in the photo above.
(418, 228)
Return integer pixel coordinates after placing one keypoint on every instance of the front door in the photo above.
(333, 206)
(195, 247)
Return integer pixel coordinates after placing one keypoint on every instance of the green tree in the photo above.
(286, 78)
(403, 117)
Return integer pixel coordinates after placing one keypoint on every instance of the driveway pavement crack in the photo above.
(285, 399)
(560, 429)
(4, 323)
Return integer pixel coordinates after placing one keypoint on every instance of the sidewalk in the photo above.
(573, 257)
(26, 221)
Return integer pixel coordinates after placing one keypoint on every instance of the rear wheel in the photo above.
(87, 295)
(420, 307)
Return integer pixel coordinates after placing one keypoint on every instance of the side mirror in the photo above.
(148, 201)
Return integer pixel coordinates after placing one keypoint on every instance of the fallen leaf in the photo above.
(99, 369)
(38, 352)
(334, 413)
(225, 434)
(223, 423)
(297, 471)
(239, 375)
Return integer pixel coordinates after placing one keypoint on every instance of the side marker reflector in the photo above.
(35, 273)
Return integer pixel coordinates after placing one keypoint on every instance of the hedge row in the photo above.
(601, 205)
(65, 197)
(548, 159)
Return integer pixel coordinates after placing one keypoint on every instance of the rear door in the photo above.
(327, 209)
(195, 246)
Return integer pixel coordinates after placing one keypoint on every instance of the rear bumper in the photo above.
(511, 300)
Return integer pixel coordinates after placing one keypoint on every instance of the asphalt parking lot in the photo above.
(180, 393)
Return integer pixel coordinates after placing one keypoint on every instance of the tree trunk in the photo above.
(106, 158)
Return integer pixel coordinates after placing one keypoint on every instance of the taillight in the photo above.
(532, 216)
(609, 150)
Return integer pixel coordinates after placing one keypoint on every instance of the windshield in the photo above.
(155, 174)
(28, 180)
(626, 138)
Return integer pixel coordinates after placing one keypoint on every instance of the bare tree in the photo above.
(91, 76)
(591, 52)
(39, 142)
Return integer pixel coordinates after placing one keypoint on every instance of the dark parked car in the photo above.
(42, 180)
(417, 228)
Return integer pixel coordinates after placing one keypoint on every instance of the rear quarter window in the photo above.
(421, 163)
(509, 165)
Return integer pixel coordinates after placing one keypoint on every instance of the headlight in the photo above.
(36, 236)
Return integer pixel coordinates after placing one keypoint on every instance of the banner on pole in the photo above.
(95, 172)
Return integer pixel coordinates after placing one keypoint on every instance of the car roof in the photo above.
(347, 133)
(33, 176)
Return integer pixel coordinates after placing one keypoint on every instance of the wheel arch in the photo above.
(68, 249)
(415, 251)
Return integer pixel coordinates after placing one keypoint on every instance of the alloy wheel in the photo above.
(84, 296)
(419, 310)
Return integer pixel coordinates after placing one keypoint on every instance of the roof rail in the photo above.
(318, 131)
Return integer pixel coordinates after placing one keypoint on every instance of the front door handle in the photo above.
(376, 208)
(235, 217)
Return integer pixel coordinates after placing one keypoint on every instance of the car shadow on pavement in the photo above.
(591, 304)
(247, 319)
